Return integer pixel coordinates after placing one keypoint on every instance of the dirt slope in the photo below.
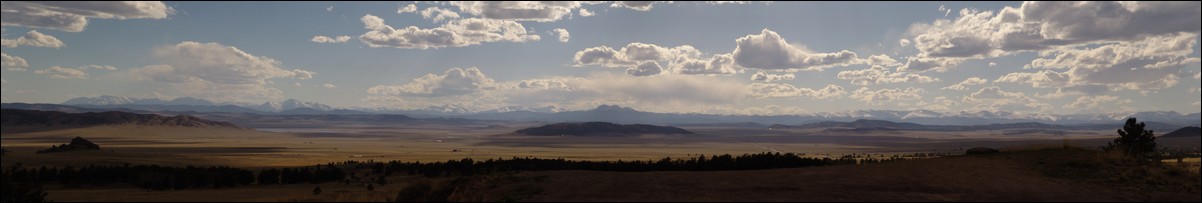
(1004, 177)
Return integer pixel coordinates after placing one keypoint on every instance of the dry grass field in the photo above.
(1029, 175)
(308, 146)
(1033, 175)
(949, 179)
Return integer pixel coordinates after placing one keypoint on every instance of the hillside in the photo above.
(1185, 132)
(1029, 176)
(600, 128)
(33, 118)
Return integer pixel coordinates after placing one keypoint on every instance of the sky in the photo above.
(750, 58)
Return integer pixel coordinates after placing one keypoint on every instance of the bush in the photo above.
(427, 191)
(415, 192)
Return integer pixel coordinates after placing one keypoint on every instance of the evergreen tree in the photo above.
(20, 190)
(1134, 140)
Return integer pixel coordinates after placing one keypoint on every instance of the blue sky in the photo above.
(255, 52)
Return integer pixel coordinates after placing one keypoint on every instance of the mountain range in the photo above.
(35, 118)
(879, 125)
(290, 106)
(624, 115)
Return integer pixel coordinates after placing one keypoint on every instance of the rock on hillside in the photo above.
(76, 144)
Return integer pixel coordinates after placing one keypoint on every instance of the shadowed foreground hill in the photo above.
(1047, 175)
(1185, 132)
(33, 118)
(600, 128)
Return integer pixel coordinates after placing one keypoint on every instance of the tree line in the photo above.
(469, 167)
(316, 174)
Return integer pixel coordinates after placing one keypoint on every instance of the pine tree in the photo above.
(21, 191)
(1134, 140)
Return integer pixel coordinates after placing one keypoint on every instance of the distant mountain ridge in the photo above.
(878, 125)
(117, 101)
(600, 129)
(618, 114)
(200, 105)
(293, 104)
(16, 117)
(626, 115)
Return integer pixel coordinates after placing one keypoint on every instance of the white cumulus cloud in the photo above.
(540, 11)
(324, 39)
(33, 39)
(217, 72)
(586, 13)
(453, 82)
(1041, 79)
(1038, 26)
(636, 5)
(13, 63)
(1149, 64)
(455, 33)
(778, 90)
(765, 77)
(72, 16)
(882, 75)
(720, 64)
(768, 51)
(882, 96)
(1093, 102)
(646, 68)
(996, 99)
(411, 8)
(973, 81)
(564, 35)
(915, 64)
(57, 72)
(438, 14)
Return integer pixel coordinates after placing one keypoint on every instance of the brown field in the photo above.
(1012, 176)
(1017, 176)
(950, 179)
(309, 146)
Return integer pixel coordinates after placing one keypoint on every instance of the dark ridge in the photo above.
(77, 144)
(600, 128)
(14, 117)
(1185, 132)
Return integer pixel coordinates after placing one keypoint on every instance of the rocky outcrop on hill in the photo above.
(77, 144)
(982, 150)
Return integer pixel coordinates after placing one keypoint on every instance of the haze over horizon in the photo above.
(680, 57)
